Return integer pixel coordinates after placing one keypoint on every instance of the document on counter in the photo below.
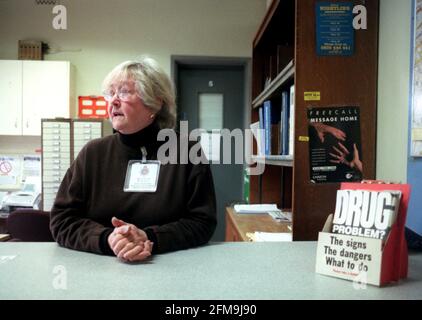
(270, 236)
(255, 208)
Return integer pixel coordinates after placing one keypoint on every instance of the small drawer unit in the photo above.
(56, 157)
(85, 131)
(62, 140)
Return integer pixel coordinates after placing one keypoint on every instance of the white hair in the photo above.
(153, 86)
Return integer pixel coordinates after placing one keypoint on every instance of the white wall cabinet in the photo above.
(10, 97)
(32, 90)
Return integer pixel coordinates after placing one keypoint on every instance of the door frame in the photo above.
(178, 61)
(245, 63)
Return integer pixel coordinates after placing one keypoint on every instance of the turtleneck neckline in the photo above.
(145, 137)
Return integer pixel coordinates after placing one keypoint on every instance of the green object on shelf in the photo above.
(246, 185)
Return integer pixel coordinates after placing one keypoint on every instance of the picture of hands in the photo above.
(341, 154)
(335, 144)
(323, 129)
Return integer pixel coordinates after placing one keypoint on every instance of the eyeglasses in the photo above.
(123, 95)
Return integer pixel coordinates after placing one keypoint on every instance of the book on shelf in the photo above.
(271, 128)
(267, 123)
(280, 133)
(262, 127)
(285, 114)
(292, 121)
(258, 134)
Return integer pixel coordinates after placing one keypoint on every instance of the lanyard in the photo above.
(142, 175)
(144, 154)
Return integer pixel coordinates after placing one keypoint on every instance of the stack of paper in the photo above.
(281, 216)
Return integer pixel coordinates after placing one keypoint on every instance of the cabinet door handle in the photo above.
(16, 123)
(27, 123)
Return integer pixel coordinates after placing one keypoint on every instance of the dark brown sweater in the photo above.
(179, 215)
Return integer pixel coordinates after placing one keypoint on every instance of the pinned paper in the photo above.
(10, 170)
(313, 96)
(417, 134)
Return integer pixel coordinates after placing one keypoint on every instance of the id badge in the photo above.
(142, 176)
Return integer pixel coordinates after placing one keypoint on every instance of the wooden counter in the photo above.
(237, 225)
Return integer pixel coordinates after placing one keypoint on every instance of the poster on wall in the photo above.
(31, 167)
(10, 171)
(416, 148)
(335, 35)
(335, 153)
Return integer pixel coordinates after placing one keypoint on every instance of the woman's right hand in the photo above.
(128, 242)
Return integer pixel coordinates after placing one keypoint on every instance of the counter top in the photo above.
(221, 271)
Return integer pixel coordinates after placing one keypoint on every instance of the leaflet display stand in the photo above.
(366, 260)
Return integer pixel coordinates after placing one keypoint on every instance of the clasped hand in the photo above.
(128, 242)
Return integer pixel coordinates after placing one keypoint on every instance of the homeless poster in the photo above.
(334, 144)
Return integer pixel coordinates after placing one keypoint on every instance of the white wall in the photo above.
(393, 89)
(102, 33)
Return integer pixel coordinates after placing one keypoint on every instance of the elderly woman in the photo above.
(116, 198)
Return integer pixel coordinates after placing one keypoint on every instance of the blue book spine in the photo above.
(292, 120)
(281, 123)
(262, 127)
(285, 122)
(267, 126)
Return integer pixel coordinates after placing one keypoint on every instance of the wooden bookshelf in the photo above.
(287, 36)
(282, 78)
(283, 161)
